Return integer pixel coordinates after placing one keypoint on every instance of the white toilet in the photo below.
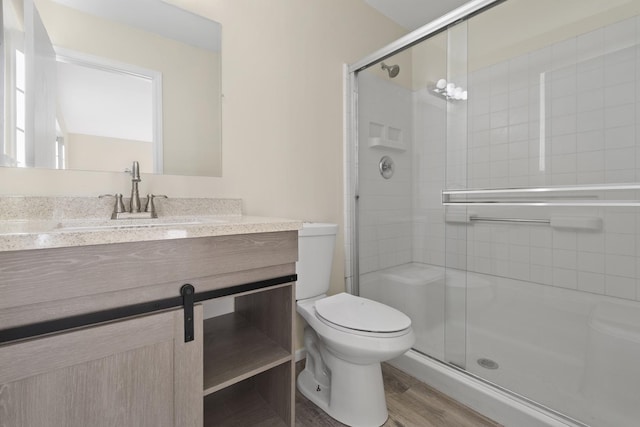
(347, 337)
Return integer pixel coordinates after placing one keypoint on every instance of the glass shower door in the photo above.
(551, 199)
(401, 171)
(457, 157)
(410, 257)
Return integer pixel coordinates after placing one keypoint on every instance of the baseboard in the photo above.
(301, 353)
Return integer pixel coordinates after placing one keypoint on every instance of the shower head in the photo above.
(393, 70)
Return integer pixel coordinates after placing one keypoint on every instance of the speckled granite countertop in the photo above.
(45, 222)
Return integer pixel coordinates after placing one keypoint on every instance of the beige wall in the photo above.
(519, 26)
(282, 112)
(99, 153)
(429, 61)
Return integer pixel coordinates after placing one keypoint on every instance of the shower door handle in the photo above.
(540, 196)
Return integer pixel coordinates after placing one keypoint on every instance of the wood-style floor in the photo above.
(410, 402)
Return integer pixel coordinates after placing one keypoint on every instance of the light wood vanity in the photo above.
(139, 370)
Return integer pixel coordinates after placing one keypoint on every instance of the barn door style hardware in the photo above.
(188, 297)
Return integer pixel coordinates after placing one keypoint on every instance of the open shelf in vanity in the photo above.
(244, 403)
(249, 361)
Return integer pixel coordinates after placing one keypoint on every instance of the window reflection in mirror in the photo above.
(104, 82)
(93, 95)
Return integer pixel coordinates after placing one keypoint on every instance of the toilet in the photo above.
(346, 339)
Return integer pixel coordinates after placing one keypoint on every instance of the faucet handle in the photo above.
(119, 205)
(150, 207)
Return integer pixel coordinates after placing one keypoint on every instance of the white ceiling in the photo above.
(413, 14)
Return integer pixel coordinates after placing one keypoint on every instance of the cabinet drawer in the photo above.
(40, 285)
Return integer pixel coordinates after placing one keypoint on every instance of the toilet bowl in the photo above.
(346, 339)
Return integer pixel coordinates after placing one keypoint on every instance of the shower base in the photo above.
(491, 402)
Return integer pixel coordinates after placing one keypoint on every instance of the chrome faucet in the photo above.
(134, 204)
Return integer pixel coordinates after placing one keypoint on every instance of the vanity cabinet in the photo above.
(140, 370)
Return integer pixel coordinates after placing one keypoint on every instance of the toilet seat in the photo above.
(361, 316)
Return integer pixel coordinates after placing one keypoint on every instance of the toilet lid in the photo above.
(361, 314)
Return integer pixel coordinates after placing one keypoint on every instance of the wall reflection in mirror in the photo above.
(95, 84)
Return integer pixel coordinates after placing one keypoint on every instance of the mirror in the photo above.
(96, 84)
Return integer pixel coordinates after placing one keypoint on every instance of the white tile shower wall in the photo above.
(566, 114)
(429, 148)
(457, 161)
(440, 161)
(385, 205)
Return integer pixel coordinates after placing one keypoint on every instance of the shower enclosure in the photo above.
(493, 185)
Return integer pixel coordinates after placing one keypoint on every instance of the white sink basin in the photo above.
(24, 227)
(136, 223)
(117, 224)
(48, 226)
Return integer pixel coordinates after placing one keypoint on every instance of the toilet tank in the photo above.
(316, 242)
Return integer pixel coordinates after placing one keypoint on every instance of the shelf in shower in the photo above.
(386, 143)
